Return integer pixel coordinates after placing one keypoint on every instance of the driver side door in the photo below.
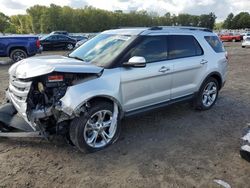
(48, 43)
(150, 85)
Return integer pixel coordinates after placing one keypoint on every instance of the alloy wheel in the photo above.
(17, 56)
(70, 46)
(100, 129)
(209, 94)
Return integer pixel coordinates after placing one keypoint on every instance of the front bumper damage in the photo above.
(14, 121)
(13, 125)
(245, 144)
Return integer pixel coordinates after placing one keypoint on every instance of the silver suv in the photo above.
(117, 74)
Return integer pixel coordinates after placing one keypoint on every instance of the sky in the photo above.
(221, 8)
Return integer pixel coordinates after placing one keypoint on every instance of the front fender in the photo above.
(107, 86)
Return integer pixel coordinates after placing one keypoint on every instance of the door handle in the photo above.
(203, 62)
(164, 69)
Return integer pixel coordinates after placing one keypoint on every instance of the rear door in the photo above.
(143, 87)
(62, 41)
(189, 64)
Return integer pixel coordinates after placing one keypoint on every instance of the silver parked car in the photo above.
(116, 74)
(246, 42)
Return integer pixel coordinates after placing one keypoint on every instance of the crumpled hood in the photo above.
(37, 66)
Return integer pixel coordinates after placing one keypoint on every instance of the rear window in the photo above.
(215, 43)
(181, 46)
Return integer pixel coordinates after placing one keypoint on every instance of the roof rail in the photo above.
(132, 27)
(181, 27)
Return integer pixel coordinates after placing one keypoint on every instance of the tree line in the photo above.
(44, 19)
(239, 21)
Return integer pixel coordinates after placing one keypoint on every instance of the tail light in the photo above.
(38, 43)
(55, 78)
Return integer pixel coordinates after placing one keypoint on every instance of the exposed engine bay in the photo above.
(44, 97)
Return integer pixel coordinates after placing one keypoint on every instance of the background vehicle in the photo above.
(78, 37)
(246, 42)
(230, 37)
(53, 42)
(19, 47)
(59, 33)
(85, 95)
(41, 35)
(245, 35)
(81, 42)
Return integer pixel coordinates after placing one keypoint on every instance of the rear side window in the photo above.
(215, 43)
(181, 46)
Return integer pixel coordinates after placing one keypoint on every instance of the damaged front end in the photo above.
(245, 144)
(33, 107)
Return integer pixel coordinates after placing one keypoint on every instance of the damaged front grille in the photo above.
(18, 91)
(17, 94)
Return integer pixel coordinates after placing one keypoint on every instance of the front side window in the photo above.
(152, 48)
(51, 38)
(181, 46)
(62, 38)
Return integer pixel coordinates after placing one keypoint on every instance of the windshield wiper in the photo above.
(75, 57)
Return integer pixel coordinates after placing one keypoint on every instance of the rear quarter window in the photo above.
(181, 46)
(215, 43)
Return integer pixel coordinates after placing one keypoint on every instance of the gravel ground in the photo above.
(173, 147)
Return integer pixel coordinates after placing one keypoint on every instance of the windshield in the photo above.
(102, 49)
(45, 37)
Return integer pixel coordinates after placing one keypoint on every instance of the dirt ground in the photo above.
(174, 147)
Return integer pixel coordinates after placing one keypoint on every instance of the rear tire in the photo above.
(18, 54)
(207, 94)
(243, 46)
(96, 129)
(70, 46)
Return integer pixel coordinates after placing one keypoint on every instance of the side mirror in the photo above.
(136, 61)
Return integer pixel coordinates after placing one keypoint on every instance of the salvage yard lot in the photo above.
(172, 147)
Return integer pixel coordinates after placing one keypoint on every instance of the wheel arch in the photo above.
(106, 98)
(16, 48)
(215, 75)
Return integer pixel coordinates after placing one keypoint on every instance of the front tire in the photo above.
(207, 94)
(97, 128)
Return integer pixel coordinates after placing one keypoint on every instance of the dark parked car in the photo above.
(59, 32)
(19, 47)
(79, 37)
(53, 42)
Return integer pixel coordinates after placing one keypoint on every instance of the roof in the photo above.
(157, 29)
